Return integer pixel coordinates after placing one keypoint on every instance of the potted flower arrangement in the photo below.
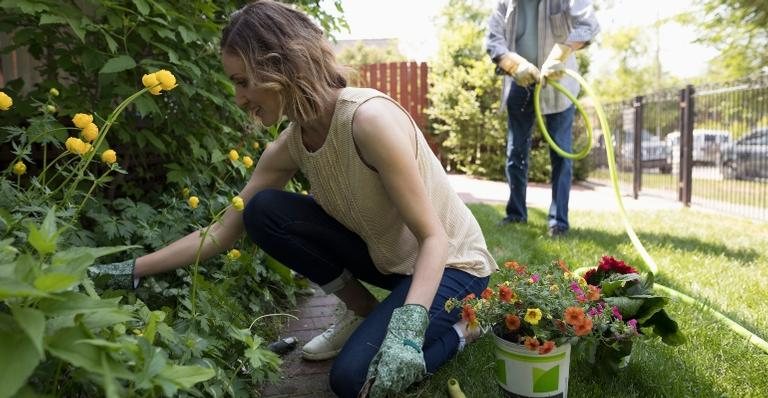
(536, 317)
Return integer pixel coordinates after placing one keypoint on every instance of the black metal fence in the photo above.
(705, 146)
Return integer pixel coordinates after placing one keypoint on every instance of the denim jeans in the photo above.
(521, 116)
(296, 231)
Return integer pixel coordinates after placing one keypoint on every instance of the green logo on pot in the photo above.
(545, 380)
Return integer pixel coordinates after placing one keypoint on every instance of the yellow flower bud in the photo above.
(80, 120)
(5, 101)
(149, 80)
(193, 201)
(109, 156)
(247, 161)
(77, 146)
(167, 79)
(50, 108)
(90, 132)
(256, 145)
(233, 254)
(233, 156)
(53, 92)
(237, 203)
(185, 192)
(19, 168)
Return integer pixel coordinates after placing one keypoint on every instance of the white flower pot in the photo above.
(526, 373)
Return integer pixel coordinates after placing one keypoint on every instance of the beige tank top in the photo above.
(354, 195)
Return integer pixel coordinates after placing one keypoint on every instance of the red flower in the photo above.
(487, 293)
(512, 322)
(573, 315)
(547, 347)
(506, 294)
(607, 265)
(468, 314)
(584, 328)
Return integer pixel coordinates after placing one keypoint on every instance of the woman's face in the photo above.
(262, 103)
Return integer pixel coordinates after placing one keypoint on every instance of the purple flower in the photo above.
(632, 323)
(535, 278)
(615, 312)
(592, 312)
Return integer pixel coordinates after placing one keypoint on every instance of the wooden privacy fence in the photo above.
(406, 83)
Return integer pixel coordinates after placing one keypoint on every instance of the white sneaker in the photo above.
(328, 344)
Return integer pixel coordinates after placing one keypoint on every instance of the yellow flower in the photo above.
(233, 254)
(247, 161)
(109, 156)
(50, 108)
(80, 120)
(19, 168)
(533, 316)
(449, 305)
(185, 192)
(150, 81)
(256, 145)
(582, 282)
(167, 79)
(77, 146)
(90, 132)
(237, 203)
(193, 201)
(5, 101)
(233, 156)
(53, 91)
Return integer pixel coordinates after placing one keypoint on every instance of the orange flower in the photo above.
(562, 266)
(512, 321)
(547, 347)
(487, 293)
(520, 269)
(531, 343)
(593, 293)
(506, 294)
(584, 328)
(573, 315)
(468, 314)
(468, 297)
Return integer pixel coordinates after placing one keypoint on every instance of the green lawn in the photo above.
(716, 258)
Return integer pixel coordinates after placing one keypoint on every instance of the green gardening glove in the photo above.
(400, 361)
(115, 275)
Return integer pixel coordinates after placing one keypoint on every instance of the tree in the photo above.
(739, 29)
(361, 54)
(464, 93)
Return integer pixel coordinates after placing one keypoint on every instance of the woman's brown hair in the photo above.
(283, 48)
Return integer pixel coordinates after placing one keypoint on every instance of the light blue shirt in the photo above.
(527, 35)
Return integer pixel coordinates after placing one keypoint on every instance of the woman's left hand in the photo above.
(400, 360)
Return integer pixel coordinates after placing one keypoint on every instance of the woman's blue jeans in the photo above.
(521, 115)
(296, 231)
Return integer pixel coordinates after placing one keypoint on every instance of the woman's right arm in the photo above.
(273, 170)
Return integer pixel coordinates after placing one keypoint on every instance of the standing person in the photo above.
(381, 208)
(520, 34)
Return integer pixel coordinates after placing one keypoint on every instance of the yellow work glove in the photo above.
(554, 66)
(524, 72)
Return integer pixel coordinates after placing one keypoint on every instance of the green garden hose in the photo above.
(649, 262)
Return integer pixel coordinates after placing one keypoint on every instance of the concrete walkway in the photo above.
(304, 379)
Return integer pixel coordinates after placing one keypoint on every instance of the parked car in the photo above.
(653, 151)
(747, 157)
(707, 147)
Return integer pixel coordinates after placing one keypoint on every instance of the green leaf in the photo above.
(67, 344)
(186, 376)
(44, 239)
(118, 64)
(51, 19)
(11, 288)
(78, 26)
(666, 328)
(32, 322)
(55, 281)
(111, 43)
(142, 6)
(27, 7)
(19, 358)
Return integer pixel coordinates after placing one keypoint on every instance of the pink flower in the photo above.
(615, 312)
(632, 323)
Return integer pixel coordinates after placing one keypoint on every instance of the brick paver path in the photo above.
(300, 378)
